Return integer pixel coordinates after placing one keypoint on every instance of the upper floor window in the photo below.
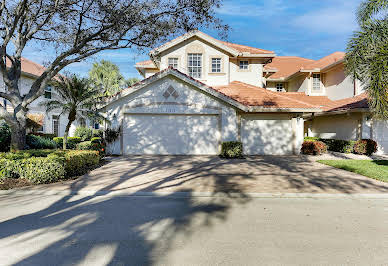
(316, 82)
(47, 92)
(216, 65)
(279, 87)
(195, 65)
(244, 64)
(173, 62)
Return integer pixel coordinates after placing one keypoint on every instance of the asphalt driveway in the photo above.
(261, 174)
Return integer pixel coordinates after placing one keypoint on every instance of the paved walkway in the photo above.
(261, 174)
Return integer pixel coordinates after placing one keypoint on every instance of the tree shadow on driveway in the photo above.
(111, 230)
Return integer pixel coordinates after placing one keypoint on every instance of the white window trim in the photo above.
(220, 64)
(198, 67)
(313, 90)
(173, 58)
(243, 69)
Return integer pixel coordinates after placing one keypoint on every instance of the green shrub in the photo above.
(46, 167)
(44, 135)
(231, 149)
(365, 147)
(311, 138)
(42, 169)
(97, 140)
(37, 142)
(313, 147)
(71, 142)
(98, 133)
(337, 145)
(95, 145)
(84, 133)
(5, 137)
(78, 162)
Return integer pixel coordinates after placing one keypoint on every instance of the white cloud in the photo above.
(334, 20)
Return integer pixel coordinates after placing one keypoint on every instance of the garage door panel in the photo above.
(171, 134)
(266, 136)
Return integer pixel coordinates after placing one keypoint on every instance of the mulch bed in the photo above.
(8, 183)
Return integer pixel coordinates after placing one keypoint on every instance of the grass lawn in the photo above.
(377, 169)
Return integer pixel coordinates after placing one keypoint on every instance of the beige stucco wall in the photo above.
(195, 45)
(254, 74)
(344, 126)
(338, 86)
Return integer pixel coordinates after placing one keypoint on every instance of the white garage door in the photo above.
(266, 136)
(171, 134)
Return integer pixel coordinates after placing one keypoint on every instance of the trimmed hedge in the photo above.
(71, 142)
(44, 135)
(313, 147)
(231, 149)
(93, 145)
(365, 147)
(43, 166)
(37, 142)
(84, 133)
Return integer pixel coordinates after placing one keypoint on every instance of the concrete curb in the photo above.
(192, 194)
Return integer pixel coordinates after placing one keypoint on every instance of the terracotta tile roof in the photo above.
(357, 102)
(325, 61)
(29, 67)
(255, 96)
(286, 66)
(324, 103)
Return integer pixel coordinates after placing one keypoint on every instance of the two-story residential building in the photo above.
(51, 123)
(199, 91)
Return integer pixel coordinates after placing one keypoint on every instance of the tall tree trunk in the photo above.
(71, 119)
(18, 127)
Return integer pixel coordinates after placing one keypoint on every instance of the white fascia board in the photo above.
(189, 35)
(260, 109)
(248, 55)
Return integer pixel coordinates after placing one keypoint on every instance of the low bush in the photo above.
(46, 167)
(365, 147)
(71, 142)
(78, 162)
(311, 138)
(37, 142)
(97, 140)
(337, 145)
(84, 133)
(231, 149)
(98, 133)
(95, 145)
(313, 147)
(44, 135)
(5, 137)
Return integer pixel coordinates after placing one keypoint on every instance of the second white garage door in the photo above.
(266, 135)
(171, 134)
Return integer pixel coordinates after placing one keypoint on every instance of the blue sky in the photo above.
(307, 28)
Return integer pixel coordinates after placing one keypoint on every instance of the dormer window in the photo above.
(173, 62)
(216, 65)
(316, 82)
(279, 87)
(244, 65)
(47, 92)
(194, 65)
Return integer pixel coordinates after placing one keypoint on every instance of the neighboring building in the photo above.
(51, 123)
(199, 92)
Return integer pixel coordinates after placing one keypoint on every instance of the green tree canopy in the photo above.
(106, 75)
(367, 54)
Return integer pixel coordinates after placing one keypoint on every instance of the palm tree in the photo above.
(76, 98)
(367, 54)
